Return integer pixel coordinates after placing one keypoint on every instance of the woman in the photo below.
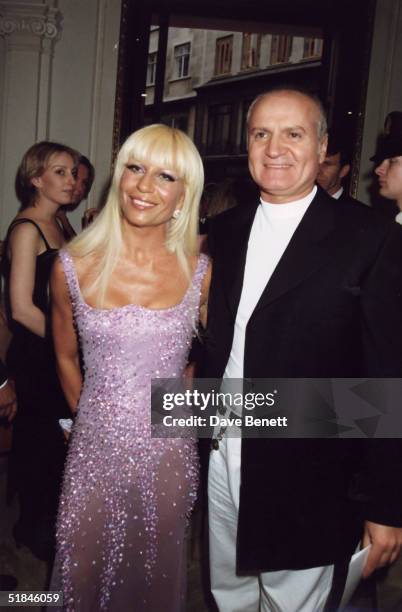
(45, 181)
(132, 285)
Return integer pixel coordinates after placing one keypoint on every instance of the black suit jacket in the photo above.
(345, 197)
(332, 308)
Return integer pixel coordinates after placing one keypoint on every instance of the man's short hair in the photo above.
(322, 121)
(336, 145)
(84, 161)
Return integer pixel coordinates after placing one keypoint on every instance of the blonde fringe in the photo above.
(103, 240)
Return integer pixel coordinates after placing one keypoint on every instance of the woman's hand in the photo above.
(89, 216)
(8, 402)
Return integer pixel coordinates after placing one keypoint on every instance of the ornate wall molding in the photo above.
(30, 19)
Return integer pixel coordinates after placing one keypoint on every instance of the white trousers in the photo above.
(281, 591)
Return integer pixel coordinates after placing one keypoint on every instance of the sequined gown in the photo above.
(126, 496)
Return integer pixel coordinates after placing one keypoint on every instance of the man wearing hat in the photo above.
(388, 168)
(388, 160)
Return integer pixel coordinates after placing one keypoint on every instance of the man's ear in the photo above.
(344, 171)
(322, 148)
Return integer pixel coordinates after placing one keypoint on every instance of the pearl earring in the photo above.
(176, 213)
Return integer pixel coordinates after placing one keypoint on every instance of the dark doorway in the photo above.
(247, 46)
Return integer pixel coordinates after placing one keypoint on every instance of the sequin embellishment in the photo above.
(126, 497)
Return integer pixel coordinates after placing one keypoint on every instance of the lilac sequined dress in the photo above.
(126, 496)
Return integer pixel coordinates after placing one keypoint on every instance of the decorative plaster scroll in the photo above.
(32, 19)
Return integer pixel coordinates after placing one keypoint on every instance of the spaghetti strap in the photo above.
(201, 269)
(193, 293)
(198, 274)
(25, 220)
(71, 276)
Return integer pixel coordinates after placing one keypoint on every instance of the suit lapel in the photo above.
(235, 255)
(308, 250)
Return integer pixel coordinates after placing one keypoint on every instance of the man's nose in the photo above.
(381, 169)
(274, 146)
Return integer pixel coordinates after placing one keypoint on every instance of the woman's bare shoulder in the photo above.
(83, 266)
(86, 268)
(28, 215)
(23, 236)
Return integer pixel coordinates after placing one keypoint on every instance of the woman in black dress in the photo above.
(45, 181)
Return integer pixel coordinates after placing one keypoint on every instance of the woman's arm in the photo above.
(204, 295)
(65, 338)
(24, 247)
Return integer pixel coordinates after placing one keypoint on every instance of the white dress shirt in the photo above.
(338, 193)
(272, 229)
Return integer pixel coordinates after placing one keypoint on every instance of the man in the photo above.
(388, 162)
(83, 183)
(298, 289)
(393, 124)
(333, 170)
(84, 180)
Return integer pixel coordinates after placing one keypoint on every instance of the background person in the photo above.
(83, 183)
(393, 124)
(334, 170)
(388, 169)
(388, 160)
(45, 181)
(131, 285)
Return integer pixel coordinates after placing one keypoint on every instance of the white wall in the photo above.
(83, 85)
(59, 76)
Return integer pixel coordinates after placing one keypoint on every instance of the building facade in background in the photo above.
(206, 70)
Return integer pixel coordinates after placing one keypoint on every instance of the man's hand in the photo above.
(385, 545)
(8, 402)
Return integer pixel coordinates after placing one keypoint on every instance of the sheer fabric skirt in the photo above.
(122, 548)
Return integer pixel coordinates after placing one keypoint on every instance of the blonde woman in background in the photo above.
(45, 182)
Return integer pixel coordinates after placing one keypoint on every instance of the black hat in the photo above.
(388, 146)
(393, 123)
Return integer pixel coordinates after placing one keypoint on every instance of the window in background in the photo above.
(223, 55)
(151, 68)
(312, 47)
(176, 121)
(281, 48)
(250, 54)
(182, 60)
(219, 135)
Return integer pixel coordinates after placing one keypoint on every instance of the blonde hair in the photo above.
(34, 164)
(161, 146)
